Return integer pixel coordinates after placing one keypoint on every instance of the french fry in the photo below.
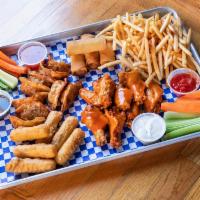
(148, 58)
(189, 36)
(185, 50)
(150, 78)
(160, 63)
(162, 43)
(108, 28)
(110, 64)
(165, 24)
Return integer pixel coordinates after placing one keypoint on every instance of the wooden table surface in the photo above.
(169, 173)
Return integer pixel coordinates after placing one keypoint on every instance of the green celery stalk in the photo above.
(175, 115)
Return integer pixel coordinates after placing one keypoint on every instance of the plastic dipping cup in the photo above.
(5, 103)
(31, 54)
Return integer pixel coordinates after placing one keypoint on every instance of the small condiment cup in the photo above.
(183, 71)
(9, 98)
(142, 133)
(35, 65)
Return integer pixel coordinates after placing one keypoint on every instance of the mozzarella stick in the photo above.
(107, 55)
(70, 146)
(30, 133)
(52, 121)
(17, 122)
(28, 165)
(64, 131)
(86, 46)
(78, 65)
(92, 59)
(35, 151)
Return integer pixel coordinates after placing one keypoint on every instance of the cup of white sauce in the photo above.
(148, 127)
(5, 103)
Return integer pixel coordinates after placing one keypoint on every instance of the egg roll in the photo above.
(30, 133)
(28, 165)
(78, 65)
(92, 59)
(86, 46)
(70, 146)
(64, 131)
(35, 151)
(107, 55)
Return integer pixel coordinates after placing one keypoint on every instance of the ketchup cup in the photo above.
(31, 54)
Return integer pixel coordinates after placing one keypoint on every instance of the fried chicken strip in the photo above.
(17, 122)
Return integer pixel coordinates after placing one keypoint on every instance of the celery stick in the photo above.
(8, 79)
(177, 124)
(3, 86)
(175, 115)
(182, 131)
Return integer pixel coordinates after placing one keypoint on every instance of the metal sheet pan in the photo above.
(12, 48)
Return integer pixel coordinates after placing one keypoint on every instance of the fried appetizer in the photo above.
(96, 121)
(78, 65)
(116, 122)
(40, 96)
(154, 98)
(40, 77)
(86, 46)
(123, 98)
(133, 112)
(55, 92)
(70, 146)
(30, 88)
(17, 122)
(52, 121)
(28, 165)
(35, 151)
(103, 92)
(59, 75)
(92, 59)
(64, 131)
(69, 95)
(30, 133)
(107, 55)
(134, 82)
(32, 110)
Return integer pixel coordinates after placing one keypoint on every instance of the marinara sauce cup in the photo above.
(31, 54)
(180, 71)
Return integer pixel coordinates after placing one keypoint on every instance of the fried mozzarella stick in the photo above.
(30, 133)
(107, 55)
(87, 45)
(78, 65)
(28, 165)
(64, 131)
(17, 122)
(35, 151)
(70, 146)
(92, 59)
(52, 121)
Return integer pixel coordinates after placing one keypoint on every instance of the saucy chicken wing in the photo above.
(133, 112)
(55, 92)
(31, 110)
(123, 98)
(133, 81)
(95, 120)
(69, 94)
(103, 92)
(154, 98)
(116, 122)
(30, 88)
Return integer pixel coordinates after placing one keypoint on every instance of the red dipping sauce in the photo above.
(183, 82)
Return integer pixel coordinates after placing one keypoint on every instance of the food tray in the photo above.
(88, 153)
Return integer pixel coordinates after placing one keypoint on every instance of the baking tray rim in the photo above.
(114, 156)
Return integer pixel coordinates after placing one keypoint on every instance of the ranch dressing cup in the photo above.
(31, 54)
(148, 127)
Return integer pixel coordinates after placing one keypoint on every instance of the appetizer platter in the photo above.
(96, 93)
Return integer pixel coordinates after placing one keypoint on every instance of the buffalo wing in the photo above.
(95, 120)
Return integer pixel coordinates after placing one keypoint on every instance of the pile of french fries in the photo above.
(155, 45)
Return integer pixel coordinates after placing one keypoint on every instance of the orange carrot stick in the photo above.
(4, 57)
(191, 96)
(184, 106)
(12, 68)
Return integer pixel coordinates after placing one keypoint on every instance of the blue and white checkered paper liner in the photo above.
(88, 150)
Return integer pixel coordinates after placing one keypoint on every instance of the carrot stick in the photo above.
(191, 96)
(4, 57)
(186, 106)
(12, 68)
